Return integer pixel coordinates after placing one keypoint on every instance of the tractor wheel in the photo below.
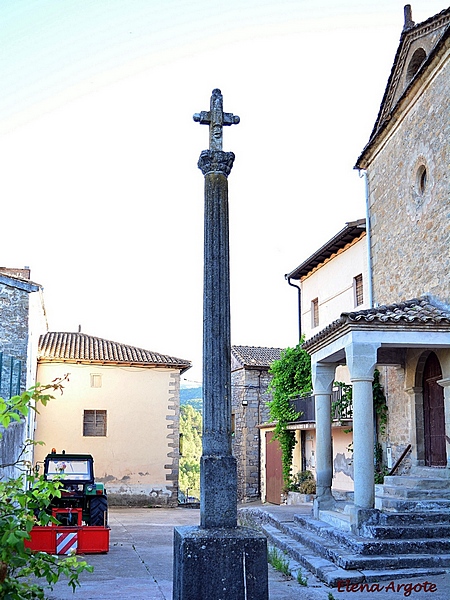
(98, 511)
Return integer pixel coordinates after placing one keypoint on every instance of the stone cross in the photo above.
(218, 559)
(216, 119)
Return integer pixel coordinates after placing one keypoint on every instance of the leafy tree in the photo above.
(191, 430)
(291, 377)
(23, 504)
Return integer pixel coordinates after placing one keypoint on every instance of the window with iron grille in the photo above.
(358, 289)
(94, 423)
(315, 312)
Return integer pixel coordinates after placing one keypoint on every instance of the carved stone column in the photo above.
(218, 478)
(417, 427)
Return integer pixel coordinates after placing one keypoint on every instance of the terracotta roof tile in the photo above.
(425, 310)
(250, 356)
(81, 347)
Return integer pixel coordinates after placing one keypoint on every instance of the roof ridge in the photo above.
(82, 346)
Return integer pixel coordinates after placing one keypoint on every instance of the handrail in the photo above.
(404, 453)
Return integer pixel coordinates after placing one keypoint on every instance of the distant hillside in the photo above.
(192, 396)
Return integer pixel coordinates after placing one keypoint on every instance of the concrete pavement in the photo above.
(139, 564)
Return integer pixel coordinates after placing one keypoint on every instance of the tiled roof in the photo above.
(423, 310)
(86, 348)
(250, 356)
(409, 35)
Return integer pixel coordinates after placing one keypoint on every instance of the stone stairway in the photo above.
(403, 494)
(408, 536)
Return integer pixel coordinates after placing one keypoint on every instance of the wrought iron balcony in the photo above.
(307, 407)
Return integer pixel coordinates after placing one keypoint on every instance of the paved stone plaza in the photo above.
(139, 564)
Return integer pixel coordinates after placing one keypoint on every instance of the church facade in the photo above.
(406, 331)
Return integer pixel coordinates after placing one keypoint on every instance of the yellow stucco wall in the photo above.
(132, 457)
(342, 457)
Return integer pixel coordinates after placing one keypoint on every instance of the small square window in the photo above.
(358, 290)
(96, 380)
(94, 423)
(315, 312)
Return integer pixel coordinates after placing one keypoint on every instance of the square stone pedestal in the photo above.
(219, 564)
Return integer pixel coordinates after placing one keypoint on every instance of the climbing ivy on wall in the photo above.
(379, 402)
(291, 377)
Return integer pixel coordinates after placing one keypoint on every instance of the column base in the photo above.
(219, 564)
(324, 501)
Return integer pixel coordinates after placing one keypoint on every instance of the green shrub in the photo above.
(23, 504)
(303, 482)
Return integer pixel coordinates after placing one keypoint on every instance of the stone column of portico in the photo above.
(361, 362)
(323, 376)
(417, 429)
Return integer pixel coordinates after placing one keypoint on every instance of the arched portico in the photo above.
(362, 340)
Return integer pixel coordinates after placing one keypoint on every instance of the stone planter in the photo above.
(295, 498)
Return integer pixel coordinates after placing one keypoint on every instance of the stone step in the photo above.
(417, 482)
(366, 546)
(413, 518)
(401, 491)
(336, 518)
(431, 472)
(333, 566)
(407, 532)
(392, 503)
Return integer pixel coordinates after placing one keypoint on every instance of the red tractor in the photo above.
(81, 512)
(79, 489)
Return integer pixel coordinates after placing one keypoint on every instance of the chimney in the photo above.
(408, 18)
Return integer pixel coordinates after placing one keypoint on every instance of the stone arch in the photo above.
(420, 424)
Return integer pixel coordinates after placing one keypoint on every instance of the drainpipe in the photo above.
(299, 306)
(369, 248)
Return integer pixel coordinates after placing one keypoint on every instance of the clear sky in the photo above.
(101, 195)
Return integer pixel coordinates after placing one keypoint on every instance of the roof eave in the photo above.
(352, 230)
(113, 363)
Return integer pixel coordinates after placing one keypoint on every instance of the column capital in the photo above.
(444, 382)
(414, 390)
(361, 360)
(216, 161)
(323, 376)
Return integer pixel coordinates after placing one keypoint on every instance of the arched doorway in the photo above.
(433, 414)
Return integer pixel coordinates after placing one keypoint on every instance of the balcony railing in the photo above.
(307, 407)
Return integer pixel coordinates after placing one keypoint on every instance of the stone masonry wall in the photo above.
(410, 229)
(14, 304)
(249, 386)
(399, 426)
(14, 307)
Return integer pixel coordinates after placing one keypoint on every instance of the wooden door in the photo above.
(433, 414)
(274, 470)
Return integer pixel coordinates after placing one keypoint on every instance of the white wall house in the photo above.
(120, 404)
(332, 281)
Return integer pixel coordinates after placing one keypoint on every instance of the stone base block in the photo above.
(218, 491)
(219, 564)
